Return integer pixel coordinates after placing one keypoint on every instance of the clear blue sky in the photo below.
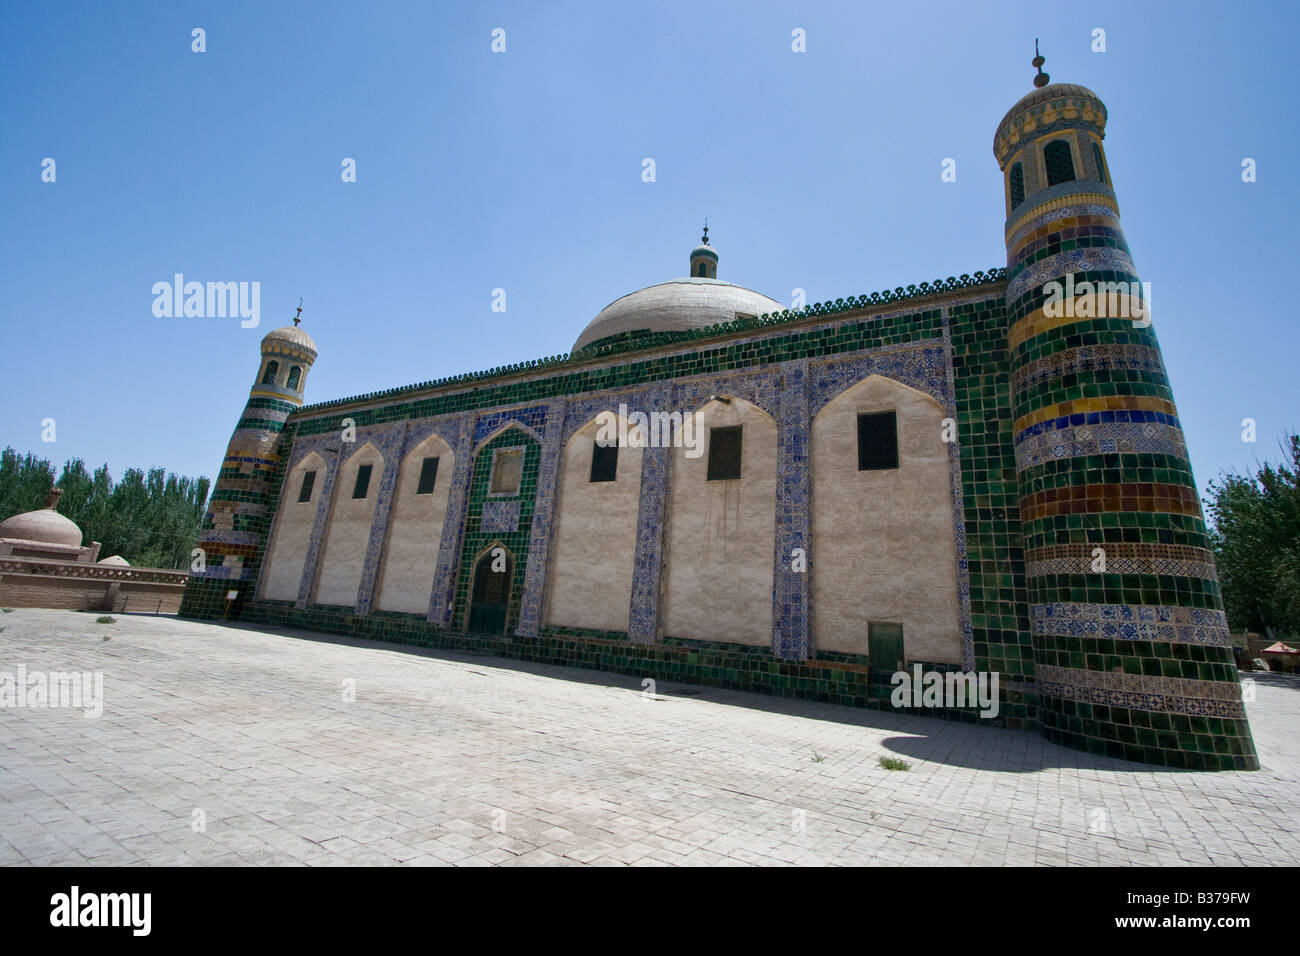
(522, 171)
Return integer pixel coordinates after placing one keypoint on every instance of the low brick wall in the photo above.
(81, 587)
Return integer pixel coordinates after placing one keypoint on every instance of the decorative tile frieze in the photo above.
(920, 365)
(1209, 698)
(1121, 558)
(532, 418)
(1051, 440)
(1054, 267)
(1127, 622)
(1110, 357)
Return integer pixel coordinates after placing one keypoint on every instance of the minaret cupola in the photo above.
(704, 258)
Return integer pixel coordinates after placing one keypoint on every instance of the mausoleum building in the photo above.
(958, 474)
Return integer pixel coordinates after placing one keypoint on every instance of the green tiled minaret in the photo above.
(1132, 654)
(233, 535)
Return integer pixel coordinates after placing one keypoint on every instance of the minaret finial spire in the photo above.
(705, 240)
(1041, 79)
(298, 316)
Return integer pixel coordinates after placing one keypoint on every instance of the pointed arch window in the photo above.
(295, 376)
(1059, 162)
(272, 370)
(1100, 164)
(1017, 179)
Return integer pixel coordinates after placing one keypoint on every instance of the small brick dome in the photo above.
(45, 526)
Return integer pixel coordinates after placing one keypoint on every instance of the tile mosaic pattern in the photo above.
(652, 508)
(542, 524)
(1053, 440)
(791, 590)
(1122, 558)
(1087, 358)
(1143, 692)
(1126, 622)
(500, 517)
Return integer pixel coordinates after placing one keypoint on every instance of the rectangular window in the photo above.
(507, 471)
(877, 441)
(724, 453)
(363, 482)
(428, 476)
(308, 482)
(604, 462)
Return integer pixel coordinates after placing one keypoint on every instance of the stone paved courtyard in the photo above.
(447, 758)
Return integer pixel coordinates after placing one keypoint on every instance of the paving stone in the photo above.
(445, 759)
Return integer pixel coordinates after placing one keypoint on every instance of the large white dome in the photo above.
(674, 306)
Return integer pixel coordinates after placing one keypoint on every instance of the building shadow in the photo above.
(971, 745)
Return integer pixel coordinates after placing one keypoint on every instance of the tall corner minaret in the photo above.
(233, 533)
(1132, 652)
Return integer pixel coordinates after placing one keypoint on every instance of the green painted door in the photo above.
(491, 595)
(885, 648)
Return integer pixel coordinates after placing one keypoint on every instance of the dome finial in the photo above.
(705, 239)
(1042, 79)
(298, 316)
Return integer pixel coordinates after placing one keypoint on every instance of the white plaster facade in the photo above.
(721, 534)
(883, 542)
(415, 531)
(594, 547)
(293, 525)
(343, 554)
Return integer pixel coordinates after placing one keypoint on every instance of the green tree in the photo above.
(150, 518)
(1256, 541)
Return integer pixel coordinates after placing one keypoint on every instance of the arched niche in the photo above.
(594, 545)
(884, 545)
(347, 531)
(294, 519)
(415, 529)
(721, 532)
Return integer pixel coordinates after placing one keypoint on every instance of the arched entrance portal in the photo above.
(490, 597)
